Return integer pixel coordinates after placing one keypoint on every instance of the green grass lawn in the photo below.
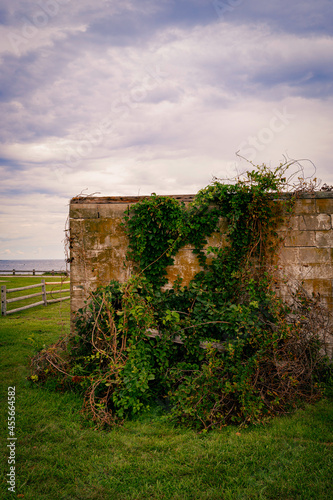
(59, 456)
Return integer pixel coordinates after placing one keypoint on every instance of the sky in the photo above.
(130, 97)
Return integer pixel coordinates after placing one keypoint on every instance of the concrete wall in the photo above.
(98, 245)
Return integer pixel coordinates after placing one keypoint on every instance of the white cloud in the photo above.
(162, 108)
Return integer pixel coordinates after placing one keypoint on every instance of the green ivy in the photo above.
(138, 344)
(159, 226)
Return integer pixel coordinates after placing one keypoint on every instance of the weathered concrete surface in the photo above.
(98, 245)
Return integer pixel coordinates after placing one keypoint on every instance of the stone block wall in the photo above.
(307, 252)
(98, 245)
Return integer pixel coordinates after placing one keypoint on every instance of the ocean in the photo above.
(40, 265)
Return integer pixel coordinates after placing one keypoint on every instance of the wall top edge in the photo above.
(99, 200)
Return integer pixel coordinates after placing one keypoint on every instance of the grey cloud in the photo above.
(264, 63)
(82, 109)
(299, 16)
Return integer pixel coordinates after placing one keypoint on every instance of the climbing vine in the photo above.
(159, 226)
(222, 349)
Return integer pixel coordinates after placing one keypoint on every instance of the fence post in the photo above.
(3, 301)
(44, 292)
(33, 272)
(13, 272)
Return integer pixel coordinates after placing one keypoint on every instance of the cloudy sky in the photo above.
(128, 97)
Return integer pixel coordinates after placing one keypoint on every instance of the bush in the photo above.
(136, 343)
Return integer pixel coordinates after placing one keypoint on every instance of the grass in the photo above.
(59, 456)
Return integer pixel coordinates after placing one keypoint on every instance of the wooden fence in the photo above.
(32, 272)
(43, 293)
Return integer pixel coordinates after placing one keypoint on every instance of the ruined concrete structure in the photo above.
(98, 245)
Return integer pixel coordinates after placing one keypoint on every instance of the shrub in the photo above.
(137, 343)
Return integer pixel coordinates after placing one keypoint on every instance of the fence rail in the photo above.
(43, 293)
(32, 272)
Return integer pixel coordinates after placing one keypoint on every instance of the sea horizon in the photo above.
(39, 265)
